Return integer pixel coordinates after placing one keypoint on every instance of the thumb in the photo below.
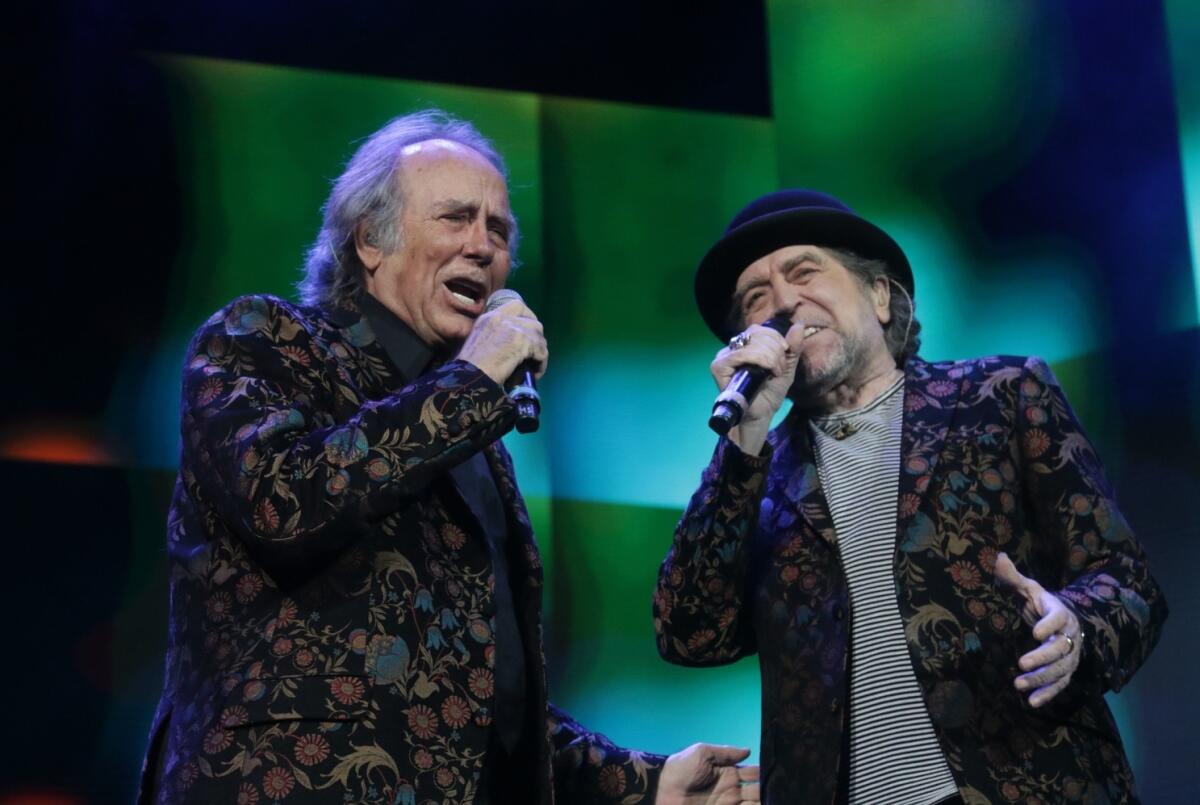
(727, 755)
(795, 337)
(1007, 574)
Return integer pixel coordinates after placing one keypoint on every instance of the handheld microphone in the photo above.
(524, 393)
(731, 404)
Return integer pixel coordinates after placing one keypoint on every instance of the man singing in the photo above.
(927, 557)
(355, 589)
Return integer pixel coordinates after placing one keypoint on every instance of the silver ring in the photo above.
(1070, 642)
(738, 341)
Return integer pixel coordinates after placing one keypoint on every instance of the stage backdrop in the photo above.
(1040, 165)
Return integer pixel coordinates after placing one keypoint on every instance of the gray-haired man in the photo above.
(355, 589)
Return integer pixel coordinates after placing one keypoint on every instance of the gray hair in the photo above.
(902, 332)
(368, 192)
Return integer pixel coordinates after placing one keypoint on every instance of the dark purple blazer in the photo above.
(331, 613)
(992, 459)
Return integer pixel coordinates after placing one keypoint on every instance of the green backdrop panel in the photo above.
(612, 678)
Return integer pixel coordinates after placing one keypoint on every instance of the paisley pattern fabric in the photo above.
(992, 459)
(332, 617)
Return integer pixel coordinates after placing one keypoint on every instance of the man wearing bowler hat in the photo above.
(927, 557)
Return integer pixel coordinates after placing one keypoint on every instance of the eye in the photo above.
(799, 273)
(500, 232)
(753, 300)
(456, 217)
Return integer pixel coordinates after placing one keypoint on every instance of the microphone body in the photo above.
(732, 403)
(523, 389)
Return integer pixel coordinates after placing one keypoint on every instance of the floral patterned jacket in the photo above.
(331, 611)
(992, 459)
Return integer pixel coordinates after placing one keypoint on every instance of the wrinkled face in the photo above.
(454, 230)
(844, 337)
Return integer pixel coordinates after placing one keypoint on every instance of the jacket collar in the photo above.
(930, 400)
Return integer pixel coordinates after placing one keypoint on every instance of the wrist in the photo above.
(750, 436)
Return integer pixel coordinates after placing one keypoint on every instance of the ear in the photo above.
(366, 244)
(881, 298)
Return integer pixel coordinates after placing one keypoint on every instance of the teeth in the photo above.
(463, 298)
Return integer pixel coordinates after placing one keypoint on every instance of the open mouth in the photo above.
(812, 330)
(468, 292)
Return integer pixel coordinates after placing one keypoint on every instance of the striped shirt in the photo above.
(894, 754)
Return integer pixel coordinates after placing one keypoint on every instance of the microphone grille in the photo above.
(502, 297)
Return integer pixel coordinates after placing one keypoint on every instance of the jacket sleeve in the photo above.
(263, 448)
(1105, 578)
(589, 769)
(701, 615)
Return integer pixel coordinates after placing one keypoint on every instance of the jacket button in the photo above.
(839, 612)
(834, 706)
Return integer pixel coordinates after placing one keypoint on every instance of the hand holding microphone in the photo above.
(754, 374)
(509, 346)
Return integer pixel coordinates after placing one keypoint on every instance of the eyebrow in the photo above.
(806, 256)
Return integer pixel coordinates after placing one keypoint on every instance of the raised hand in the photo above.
(763, 347)
(504, 339)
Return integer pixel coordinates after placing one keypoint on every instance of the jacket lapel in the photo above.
(796, 476)
(931, 395)
(519, 528)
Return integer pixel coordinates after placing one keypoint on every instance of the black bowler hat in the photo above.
(787, 218)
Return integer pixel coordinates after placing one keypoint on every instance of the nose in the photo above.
(787, 296)
(478, 245)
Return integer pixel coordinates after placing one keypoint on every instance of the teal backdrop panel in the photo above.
(1183, 28)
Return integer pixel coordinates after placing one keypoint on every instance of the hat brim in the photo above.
(716, 277)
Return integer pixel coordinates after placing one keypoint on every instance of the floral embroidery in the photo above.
(455, 711)
(347, 689)
(248, 588)
(217, 740)
(422, 721)
(965, 575)
(266, 519)
(481, 683)
(278, 783)
(311, 749)
(612, 780)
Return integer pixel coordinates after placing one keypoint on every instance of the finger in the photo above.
(1051, 650)
(1056, 619)
(518, 309)
(795, 336)
(728, 361)
(1007, 574)
(515, 308)
(748, 774)
(1045, 674)
(726, 755)
(749, 793)
(758, 331)
(1044, 694)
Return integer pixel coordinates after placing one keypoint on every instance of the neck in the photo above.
(854, 392)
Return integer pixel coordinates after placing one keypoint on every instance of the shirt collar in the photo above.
(408, 352)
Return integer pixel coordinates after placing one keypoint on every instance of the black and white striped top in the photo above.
(894, 755)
